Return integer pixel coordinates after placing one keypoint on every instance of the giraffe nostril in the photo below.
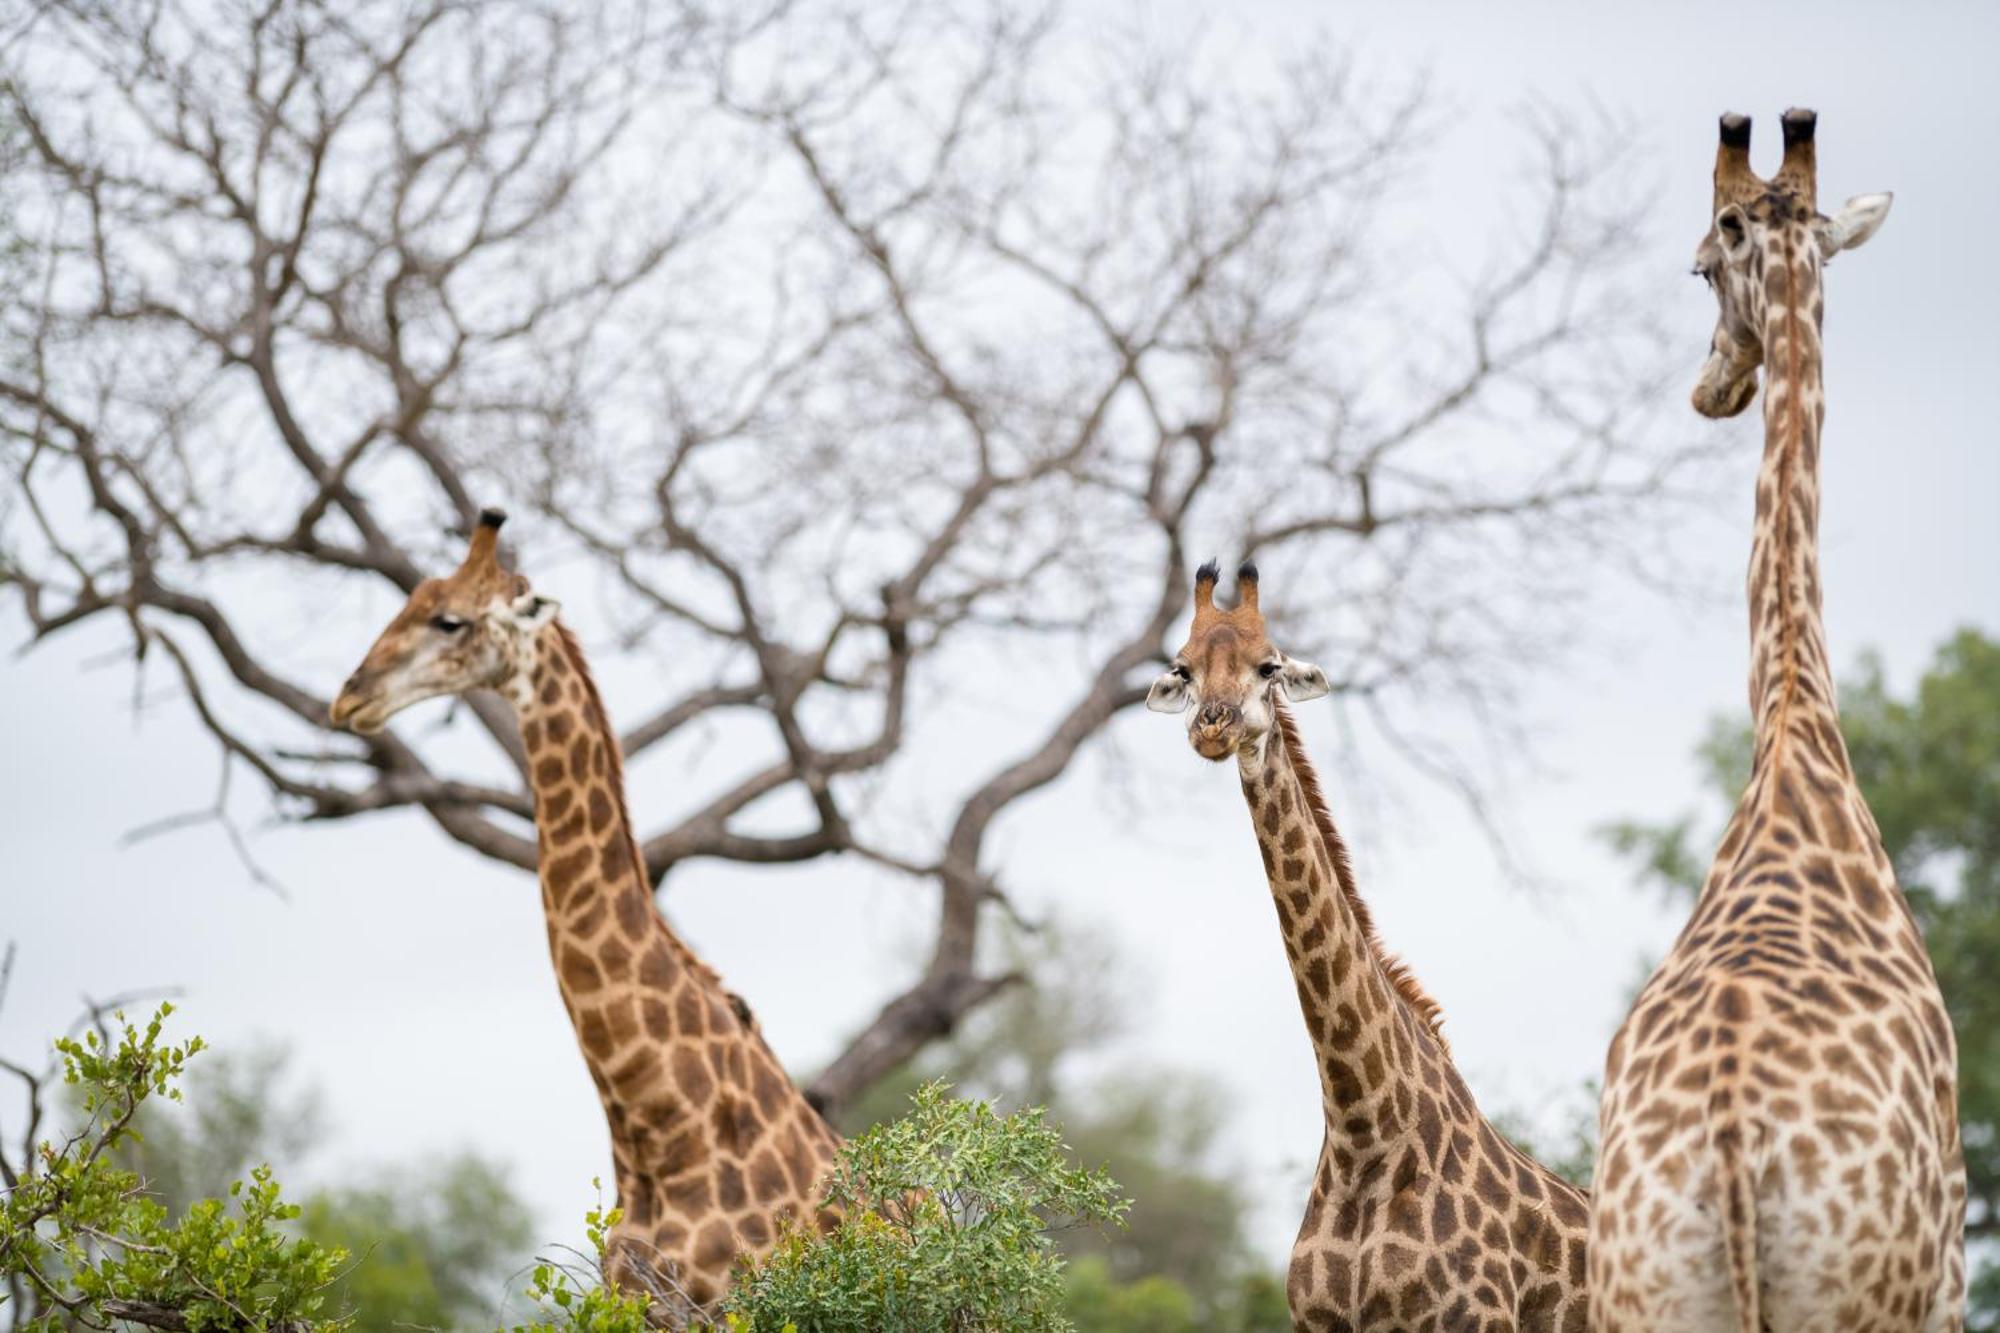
(1217, 714)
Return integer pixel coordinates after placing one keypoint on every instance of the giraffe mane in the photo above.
(615, 772)
(1401, 978)
(614, 752)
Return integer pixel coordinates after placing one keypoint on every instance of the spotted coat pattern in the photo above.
(1421, 1215)
(713, 1147)
(1780, 1145)
(712, 1144)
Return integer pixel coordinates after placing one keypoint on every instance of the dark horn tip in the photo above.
(1799, 123)
(492, 518)
(1208, 573)
(1247, 571)
(1735, 129)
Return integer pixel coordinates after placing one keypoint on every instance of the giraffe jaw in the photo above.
(362, 717)
(1215, 749)
(1725, 400)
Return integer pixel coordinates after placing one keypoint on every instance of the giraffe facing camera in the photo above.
(1421, 1214)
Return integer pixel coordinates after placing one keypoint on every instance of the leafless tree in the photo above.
(844, 353)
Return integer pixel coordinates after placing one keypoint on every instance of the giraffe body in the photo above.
(712, 1146)
(1421, 1216)
(1780, 1146)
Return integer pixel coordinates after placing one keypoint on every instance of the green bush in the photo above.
(949, 1212)
(81, 1242)
(573, 1298)
(1098, 1302)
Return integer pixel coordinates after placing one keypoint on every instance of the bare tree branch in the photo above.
(836, 353)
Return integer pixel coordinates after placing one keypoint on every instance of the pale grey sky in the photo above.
(411, 979)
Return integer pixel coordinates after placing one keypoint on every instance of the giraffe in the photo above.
(712, 1145)
(1779, 1126)
(1421, 1216)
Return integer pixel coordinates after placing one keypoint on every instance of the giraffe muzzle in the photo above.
(355, 709)
(1215, 730)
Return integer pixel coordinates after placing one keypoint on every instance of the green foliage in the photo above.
(434, 1245)
(1158, 1131)
(948, 1215)
(239, 1111)
(1930, 766)
(573, 1300)
(1097, 1301)
(82, 1239)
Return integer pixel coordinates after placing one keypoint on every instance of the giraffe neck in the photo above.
(1371, 1028)
(1791, 679)
(621, 970)
(711, 1142)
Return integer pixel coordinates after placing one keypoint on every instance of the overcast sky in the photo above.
(411, 979)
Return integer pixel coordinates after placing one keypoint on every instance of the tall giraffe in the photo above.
(712, 1145)
(1780, 1144)
(1421, 1215)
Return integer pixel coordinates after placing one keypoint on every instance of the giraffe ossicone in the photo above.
(1779, 1145)
(1421, 1214)
(713, 1148)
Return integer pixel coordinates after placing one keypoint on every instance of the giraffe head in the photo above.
(1228, 674)
(1753, 225)
(472, 629)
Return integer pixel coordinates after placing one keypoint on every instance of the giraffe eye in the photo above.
(447, 624)
(1268, 670)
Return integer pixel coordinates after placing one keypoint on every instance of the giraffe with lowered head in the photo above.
(712, 1144)
(1421, 1215)
(1780, 1144)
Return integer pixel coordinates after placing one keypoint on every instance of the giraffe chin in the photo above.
(1727, 401)
(1213, 747)
(361, 719)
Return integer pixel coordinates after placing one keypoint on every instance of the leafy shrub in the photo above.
(948, 1218)
(575, 1298)
(82, 1242)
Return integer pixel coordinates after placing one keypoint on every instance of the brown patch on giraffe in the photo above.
(767, 1176)
(601, 810)
(730, 1191)
(657, 970)
(691, 1075)
(567, 831)
(578, 972)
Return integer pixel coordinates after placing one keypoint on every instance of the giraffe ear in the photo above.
(1303, 681)
(1858, 219)
(1732, 232)
(1169, 693)
(530, 611)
